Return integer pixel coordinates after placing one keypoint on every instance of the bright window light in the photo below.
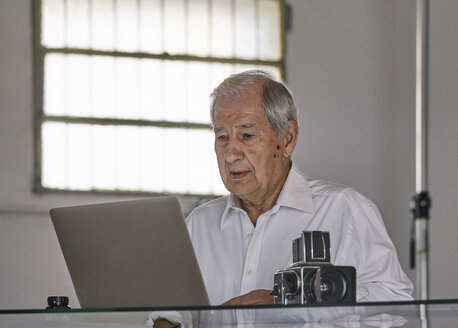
(124, 88)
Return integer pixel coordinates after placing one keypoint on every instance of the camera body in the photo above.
(312, 279)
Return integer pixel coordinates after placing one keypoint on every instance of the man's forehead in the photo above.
(247, 117)
(238, 126)
(244, 110)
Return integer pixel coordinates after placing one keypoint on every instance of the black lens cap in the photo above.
(58, 302)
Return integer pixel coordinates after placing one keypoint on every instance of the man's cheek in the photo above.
(222, 168)
(253, 157)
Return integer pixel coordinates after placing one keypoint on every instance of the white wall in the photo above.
(443, 143)
(351, 65)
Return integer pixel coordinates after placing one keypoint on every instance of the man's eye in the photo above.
(221, 138)
(248, 135)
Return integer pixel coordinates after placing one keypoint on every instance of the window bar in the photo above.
(65, 72)
(209, 36)
(139, 25)
(115, 68)
(186, 160)
(233, 29)
(162, 103)
(91, 26)
(186, 24)
(65, 97)
(187, 51)
(115, 24)
(38, 93)
(186, 95)
(163, 152)
(140, 114)
(127, 122)
(116, 170)
(65, 2)
(285, 22)
(91, 95)
(257, 20)
(115, 91)
(210, 27)
(165, 56)
(139, 62)
(162, 26)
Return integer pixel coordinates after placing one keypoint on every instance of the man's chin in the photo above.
(237, 187)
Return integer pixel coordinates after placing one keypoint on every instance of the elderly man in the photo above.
(241, 240)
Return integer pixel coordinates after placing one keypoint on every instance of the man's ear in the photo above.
(290, 138)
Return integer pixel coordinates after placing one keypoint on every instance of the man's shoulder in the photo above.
(321, 189)
(213, 208)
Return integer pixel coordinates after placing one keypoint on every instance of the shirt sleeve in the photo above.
(371, 251)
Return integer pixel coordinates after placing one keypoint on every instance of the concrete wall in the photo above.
(351, 65)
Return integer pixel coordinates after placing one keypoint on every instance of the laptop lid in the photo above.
(130, 254)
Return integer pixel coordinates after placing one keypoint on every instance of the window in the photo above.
(122, 86)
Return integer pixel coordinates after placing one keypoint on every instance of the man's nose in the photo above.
(233, 151)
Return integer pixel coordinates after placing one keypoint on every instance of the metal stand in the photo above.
(421, 200)
(421, 204)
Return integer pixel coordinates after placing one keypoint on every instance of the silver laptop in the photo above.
(130, 254)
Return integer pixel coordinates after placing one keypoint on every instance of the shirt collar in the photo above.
(295, 194)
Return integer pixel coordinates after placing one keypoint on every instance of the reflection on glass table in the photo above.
(439, 313)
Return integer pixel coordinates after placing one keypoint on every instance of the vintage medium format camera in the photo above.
(312, 279)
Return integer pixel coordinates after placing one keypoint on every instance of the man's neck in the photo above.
(256, 207)
(254, 211)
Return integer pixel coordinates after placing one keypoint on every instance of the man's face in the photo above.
(252, 161)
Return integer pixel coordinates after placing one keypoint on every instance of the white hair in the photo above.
(277, 99)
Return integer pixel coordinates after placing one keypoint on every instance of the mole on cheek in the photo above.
(278, 147)
(275, 155)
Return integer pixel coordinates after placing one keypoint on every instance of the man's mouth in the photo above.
(238, 175)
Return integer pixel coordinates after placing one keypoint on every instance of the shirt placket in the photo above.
(252, 256)
(251, 267)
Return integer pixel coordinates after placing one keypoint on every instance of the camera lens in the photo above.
(332, 289)
(333, 285)
(309, 282)
(325, 288)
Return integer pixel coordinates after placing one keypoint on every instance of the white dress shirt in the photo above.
(236, 257)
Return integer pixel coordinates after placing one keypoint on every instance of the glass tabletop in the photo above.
(431, 313)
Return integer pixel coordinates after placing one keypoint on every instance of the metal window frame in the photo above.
(39, 117)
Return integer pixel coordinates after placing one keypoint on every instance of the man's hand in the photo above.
(164, 323)
(255, 297)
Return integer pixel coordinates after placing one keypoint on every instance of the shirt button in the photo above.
(249, 235)
(249, 272)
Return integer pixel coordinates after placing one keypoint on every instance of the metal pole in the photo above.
(422, 200)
